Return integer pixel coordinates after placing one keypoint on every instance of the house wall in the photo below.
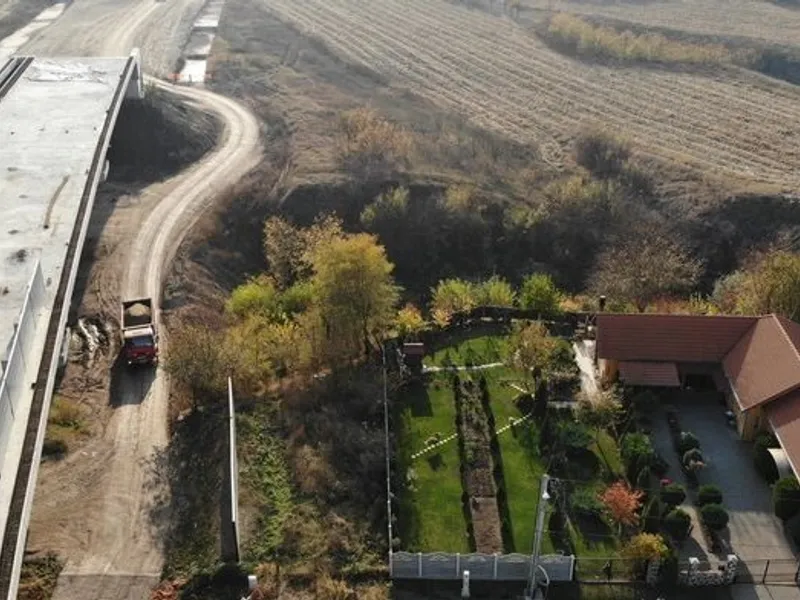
(609, 370)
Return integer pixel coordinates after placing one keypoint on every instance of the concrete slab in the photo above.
(764, 592)
(52, 118)
(194, 71)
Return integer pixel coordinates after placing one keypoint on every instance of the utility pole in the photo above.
(544, 496)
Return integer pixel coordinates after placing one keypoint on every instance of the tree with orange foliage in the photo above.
(622, 503)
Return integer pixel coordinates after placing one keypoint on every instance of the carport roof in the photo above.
(784, 416)
(654, 374)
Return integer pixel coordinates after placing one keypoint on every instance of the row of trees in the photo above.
(538, 293)
(328, 295)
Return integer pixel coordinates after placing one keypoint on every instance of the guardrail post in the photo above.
(458, 565)
(766, 569)
(419, 565)
(494, 570)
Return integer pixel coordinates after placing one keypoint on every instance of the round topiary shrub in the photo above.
(714, 516)
(687, 441)
(677, 523)
(786, 497)
(673, 494)
(709, 494)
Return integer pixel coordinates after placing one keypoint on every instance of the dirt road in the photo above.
(112, 27)
(102, 507)
(118, 555)
(504, 79)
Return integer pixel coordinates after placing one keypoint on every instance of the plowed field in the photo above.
(504, 79)
(760, 21)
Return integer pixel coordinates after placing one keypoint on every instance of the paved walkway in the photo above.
(764, 592)
(753, 533)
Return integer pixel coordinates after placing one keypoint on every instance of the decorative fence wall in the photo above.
(13, 384)
(481, 567)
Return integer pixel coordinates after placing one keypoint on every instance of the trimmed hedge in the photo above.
(786, 498)
(714, 516)
(673, 494)
(677, 523)
(709, 494)
(687, 441)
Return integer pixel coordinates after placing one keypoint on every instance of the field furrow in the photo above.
(505, 80)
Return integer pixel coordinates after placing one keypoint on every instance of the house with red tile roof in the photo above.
(753, 361)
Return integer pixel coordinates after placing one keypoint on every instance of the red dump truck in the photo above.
(139, 335)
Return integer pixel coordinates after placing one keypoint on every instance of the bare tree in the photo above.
(647, 264)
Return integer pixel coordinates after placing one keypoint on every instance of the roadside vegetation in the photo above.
(38, 577)
(65, 424)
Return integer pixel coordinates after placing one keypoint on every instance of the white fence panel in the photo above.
(481, 567)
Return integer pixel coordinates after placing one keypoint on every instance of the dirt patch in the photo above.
(477, 466)
(158, 137)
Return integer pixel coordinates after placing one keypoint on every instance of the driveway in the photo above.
(755, 533)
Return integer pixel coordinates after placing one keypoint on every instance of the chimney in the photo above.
(601, 303)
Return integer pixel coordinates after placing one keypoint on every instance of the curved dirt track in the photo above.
(102, 507)
(111, 27)
(504, 79)
(121, 558)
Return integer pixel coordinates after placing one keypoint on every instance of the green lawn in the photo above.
(432, 511)
(432, 507)
(478, 350)
(522, 470)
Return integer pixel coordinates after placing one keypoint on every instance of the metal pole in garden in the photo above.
(537, 536)
(387, 451)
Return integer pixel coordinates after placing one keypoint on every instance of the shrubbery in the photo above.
(786, 497)
(637, 452)
(677, 523)
(586, 504)
(714, 516)
(673, 494)
(687, 441)
(709, 494)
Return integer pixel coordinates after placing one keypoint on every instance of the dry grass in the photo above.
(66, 423)
(597, 41)
(371, 147)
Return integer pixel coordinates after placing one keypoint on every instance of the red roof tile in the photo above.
(679, 338)
(765, 363)
(784, 415)
(656, 374)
